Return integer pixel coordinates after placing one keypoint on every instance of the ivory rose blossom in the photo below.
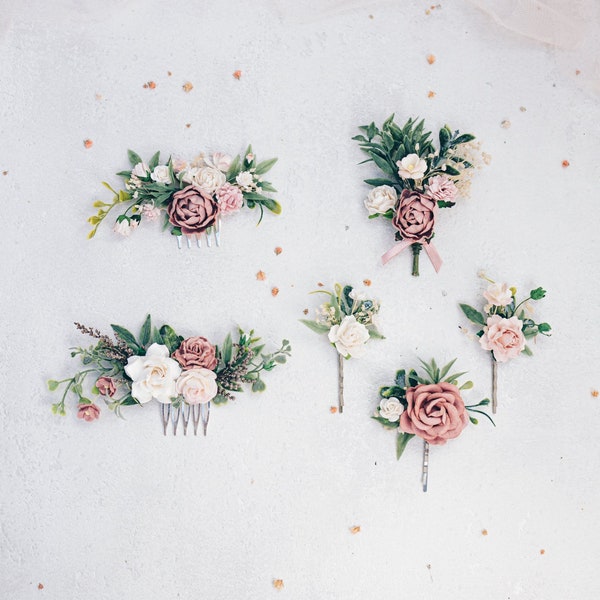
(435, 412)
(504, 337)
(245, 180)
(153, 375)
(412, 167)
(219, 160)
(391, 409)
(381, 199)
(125, 226)
(230, 198)
(193, 210)
(196, 352)
(498, 294)
(441, 187)
(415, 216)
(349, 337)
(88, 412)
(161, 174)
(208, 179)
(141, 169)
(198, 385)
(106, 386)
(150, 212)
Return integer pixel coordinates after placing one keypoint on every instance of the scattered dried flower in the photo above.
(371, 17)
(187, 87)
(431, 58)
(522, 109)
(4, 172)
(577, 71)
(188, 125)
(169, 73)
(40, 586)
(88, 143)
(431, 94)
(354, 530)
(332, 409)
(238, 75)
(305, 311)
(367, 282)
(505, 124)
(484, 532)
(274, 291)
(487, 158)
(98, 96)
(278, 250)
(261, 276)
(542, 551)
(565, 163)
(595, 393)
(150, 85)
(278, 584)
(320, 284)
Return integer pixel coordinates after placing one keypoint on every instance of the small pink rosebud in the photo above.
(106, 386)
(88, 412)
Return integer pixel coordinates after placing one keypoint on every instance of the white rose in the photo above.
(245, 180)
(391, 409)
(161, 174)
(153, 375)
(140, 170)
(208, 179)
(219, 161)
(412, 167)
(198, 385)
(349, 337)
(381, 199)
(498, 294)
(125, 227)
(187, 174)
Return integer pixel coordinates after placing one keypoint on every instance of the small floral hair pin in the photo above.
(429, 407)
(183, 375)
(190, 197)
(505, 325)
(349, 319)
(418, 180)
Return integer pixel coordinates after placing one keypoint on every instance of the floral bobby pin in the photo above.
(183, 375)
(191, 197)
(349, 319)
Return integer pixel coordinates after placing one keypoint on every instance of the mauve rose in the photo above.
(504, 337)
(196, 352)
(435, 412)
(415, 216)
(106, 386)
(88, 412)
(230, 198)
(193, 210)
(441, 187)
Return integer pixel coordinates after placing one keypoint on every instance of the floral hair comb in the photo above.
(191, 197)
(429, 407)
(183, 375)
(505, 325)
(349, 319)
(418, 180)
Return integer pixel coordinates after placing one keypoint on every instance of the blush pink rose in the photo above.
(106, 386)
(504, 337)
(415, 216)
(192, 209)
(88, 412)
(435, 412)
(441, 187)
(196, 352)
(230, 198)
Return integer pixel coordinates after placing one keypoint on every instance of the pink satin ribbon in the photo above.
(434, 257)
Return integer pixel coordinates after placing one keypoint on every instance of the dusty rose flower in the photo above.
(435, 412)
(106, 386)
(88, 412)
(504, 337)
(415, 216)
(196, 352)
(441, 187)
(230, 198)
(193, 210)
(150, 212)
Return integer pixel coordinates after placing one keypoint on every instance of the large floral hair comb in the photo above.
(418, 179)
(349, 319)
(505, 326)
(430, 407)
(190, 197)
(183, 375)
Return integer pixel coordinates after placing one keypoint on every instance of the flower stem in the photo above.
(416, 250)
(425, 469)
(494, 385)
(341, 382)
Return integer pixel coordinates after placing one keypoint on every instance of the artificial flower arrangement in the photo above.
(505, 325)
(418, 180)
(190, 197)
(430, 407)
(183, 375)
(349, 319)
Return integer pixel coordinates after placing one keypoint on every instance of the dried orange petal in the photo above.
(278, 584)
(278, 250)
(187, 87)
(484, 532)
(431, 94)
(274, 291)
(237, 74)
(261, 276)
(431, 58)
(333, 409)
(88, 143)
(565, 163)
(354, 530)
(367, 282)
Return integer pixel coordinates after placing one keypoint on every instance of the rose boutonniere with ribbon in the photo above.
(418, 180)
(428, 406)
(190, 197)
(349, 319)
(183, 375)
(505, 325)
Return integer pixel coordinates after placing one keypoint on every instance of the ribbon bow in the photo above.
(434, 257)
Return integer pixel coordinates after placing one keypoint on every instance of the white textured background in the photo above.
(115, 510)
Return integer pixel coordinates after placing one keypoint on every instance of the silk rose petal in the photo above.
(498, 294)
(415, 216)
(197, 386)
(192, 209)
(230, 198)
(435, 412)
(196, 352)
(349, 337)
(503, 337)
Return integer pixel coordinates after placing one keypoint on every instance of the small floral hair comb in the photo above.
(430, 407)
(183, 375)
(505, 326)
(417, 180)
(190, 197)
(349, 319)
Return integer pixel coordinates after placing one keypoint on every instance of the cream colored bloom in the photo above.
(245, 180)
(381, 199)
(198, 385)
(349, 337)
(161, 174)
(208, 179)
(412, 167)
(498, 294)
(391, 409)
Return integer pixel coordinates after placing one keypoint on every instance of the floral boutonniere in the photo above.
(430, 407)
(349, 319)
(190, 197)
(183, 375)
(505, 325)
(418, 180)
